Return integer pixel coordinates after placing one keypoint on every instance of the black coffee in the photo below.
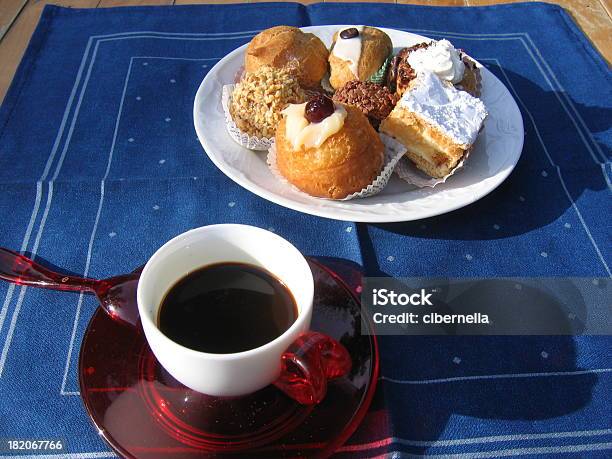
(227, 307)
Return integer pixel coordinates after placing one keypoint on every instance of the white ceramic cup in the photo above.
(223, 374)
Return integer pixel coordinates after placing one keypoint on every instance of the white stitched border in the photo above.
(565, 96)
(496, 376)
(474, 440)
(558, 169)
(98, 213)
(50, 159)
(95, 226)
(24, 244)
(9, 336)
(504, 452)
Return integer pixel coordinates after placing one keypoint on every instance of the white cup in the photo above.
(223, 374)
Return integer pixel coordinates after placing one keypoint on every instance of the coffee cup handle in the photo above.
(309, 362)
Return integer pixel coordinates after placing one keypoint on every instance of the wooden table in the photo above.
(18, 18)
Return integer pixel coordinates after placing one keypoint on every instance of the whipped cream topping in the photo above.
(302, 133)
(456, 113)
(441, 58)
(349, 49)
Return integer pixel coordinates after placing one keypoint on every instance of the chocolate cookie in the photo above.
(374, 100)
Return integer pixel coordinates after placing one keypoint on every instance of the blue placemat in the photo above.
(99, 165)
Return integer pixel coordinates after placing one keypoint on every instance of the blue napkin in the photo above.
(99, 165)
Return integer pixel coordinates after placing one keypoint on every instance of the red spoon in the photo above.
(117, 294)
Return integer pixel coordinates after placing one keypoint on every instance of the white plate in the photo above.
(495, 154)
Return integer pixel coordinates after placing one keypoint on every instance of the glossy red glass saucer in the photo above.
(142, 411)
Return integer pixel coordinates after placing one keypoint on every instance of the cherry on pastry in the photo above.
(318, 109)
(349, 33)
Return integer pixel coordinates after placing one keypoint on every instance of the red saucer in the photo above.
(141, 411)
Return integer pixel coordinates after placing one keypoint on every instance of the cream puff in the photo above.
(327, 150)
(357, 53)
(284, 45)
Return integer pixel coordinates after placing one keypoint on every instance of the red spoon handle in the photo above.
(21, 270)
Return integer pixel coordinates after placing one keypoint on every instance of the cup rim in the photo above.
(159, 253)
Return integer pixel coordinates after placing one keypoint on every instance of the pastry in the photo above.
(357, 53)
(441, 58)
(284, 45)
(259, 98)
(327, 150)
(436, 122)
(375, 101)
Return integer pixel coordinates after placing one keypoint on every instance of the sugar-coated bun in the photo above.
(376, 46)
(283, 45)
(346, 162)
